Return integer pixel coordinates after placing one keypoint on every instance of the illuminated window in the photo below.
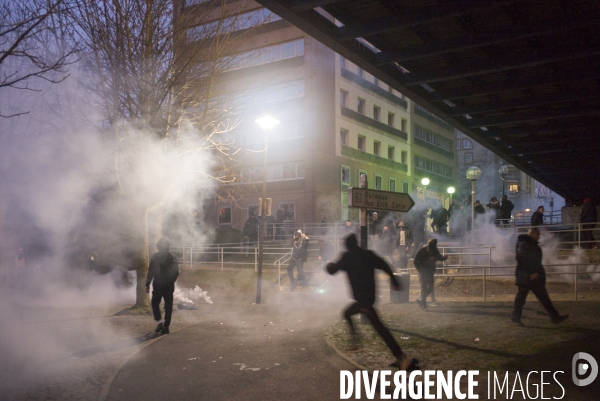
(513, 188)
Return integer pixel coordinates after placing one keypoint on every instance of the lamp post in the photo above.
(451, 191)
(503, 171)
(425, 182)
(266, 124)
(473, 174)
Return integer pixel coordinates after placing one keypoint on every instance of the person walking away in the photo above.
(404, 241)
(588, 216)
(299, 255)
(425, 265)
(162, 274)
(374, 230)
(495, 207)
(441, 221)
(360, 265)
(506, 209)
(531, 275)
(537, 218)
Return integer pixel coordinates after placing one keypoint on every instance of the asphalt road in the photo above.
(266, 352)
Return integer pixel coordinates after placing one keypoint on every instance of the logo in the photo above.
(581, 369)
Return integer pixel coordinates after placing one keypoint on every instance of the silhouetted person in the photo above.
(537, 218)
(425, 265)
(162, 273)
(270, 225)
(495, 208)
(588, 216)
(531, 275)
(506, 210)
(350, 228)
(299, 255)
(360, 265)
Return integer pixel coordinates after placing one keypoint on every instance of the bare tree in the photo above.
(32, 45)
(155, 66)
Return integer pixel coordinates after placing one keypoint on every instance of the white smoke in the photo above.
(191, 295)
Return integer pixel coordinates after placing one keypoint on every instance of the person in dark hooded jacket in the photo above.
(531, 275)
(425, 264)
(360, 265)
(162, 273)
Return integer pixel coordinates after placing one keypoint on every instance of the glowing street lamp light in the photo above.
(266, 123)
(451, 191)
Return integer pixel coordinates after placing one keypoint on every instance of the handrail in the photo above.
(278, 263)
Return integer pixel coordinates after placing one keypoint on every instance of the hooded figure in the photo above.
(299, 256)
(162, 273)
(425, 265)
(531, 275)
(360, 265)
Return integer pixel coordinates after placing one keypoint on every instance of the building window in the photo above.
(392, 185)
(467, 144)
(432, 167)
(432, 138)
(265, 55)
(458, 142)
(344, 199)
(289, 210)
(405, 187)
(377, 182)
(343, 98)
(468, 157)
(360, 172)
(391, 152)
(345, 175)
(403, 156)
(362, 143)
(391, 119)
(376, 113)
(342, 62)
(344, 137)
(361, 106)
(403, 125)
(513, 188)
(225, 215)
(377, 148)
(275, 172)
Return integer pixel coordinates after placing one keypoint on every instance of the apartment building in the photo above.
(336, 122)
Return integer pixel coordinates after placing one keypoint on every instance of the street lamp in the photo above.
(425, 182)
(266, 123)
(451, 191)
(473, 174)
(503, 171)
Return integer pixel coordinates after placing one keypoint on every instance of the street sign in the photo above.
(379, 200)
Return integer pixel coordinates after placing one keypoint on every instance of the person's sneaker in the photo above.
(165, 330)
(559, 319)
(517, 322)
(159, 327)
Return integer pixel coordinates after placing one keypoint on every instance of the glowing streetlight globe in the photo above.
(425, 181)
(451, 190)
(473, 173)
(267, 123)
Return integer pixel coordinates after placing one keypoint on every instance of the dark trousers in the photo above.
(368, 310)
(426, 281)
(539, 290)
(587, 235)
(158, 293)
(299, 264)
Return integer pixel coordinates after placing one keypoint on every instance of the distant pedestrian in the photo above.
(299, 256)
(350, 228)
(588, 216)
(537, 218)
(375, 226)
(440, 220)
(250, 229)
(162, 274)
(360, 265)
(506, 210)
(495, 208)
(531, 275)
(403, 243)
(425, 265)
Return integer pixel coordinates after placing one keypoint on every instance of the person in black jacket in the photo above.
(531, 275)
(537, 218)
(425, 265)
(495, 208)
(588, 216)
(162, 273)
(360, 265)
(505, 210)
(299, 255)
